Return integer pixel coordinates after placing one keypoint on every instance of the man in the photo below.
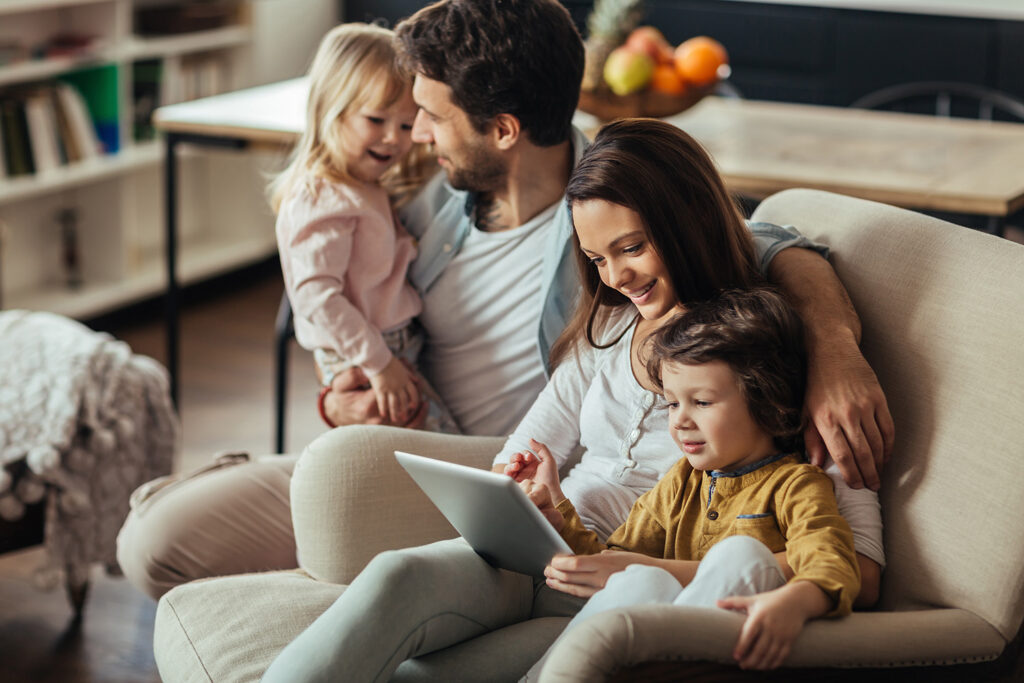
(497, 83)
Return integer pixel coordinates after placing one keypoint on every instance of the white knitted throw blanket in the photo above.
(83, 422)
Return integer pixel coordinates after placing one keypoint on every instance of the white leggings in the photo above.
(738, 565)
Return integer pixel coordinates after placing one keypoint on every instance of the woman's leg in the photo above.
(404, 604)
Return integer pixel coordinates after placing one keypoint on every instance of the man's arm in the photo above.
(847, 409)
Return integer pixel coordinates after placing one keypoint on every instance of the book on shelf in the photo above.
(81, 140)
(18, 155)
(41, 120)
(98, 86)
(3, 153)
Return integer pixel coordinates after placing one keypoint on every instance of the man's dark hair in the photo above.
(519, 57)
(759, 335)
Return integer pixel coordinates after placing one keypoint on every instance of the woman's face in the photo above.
(616, 242)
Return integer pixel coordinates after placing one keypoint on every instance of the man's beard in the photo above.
(481, 172)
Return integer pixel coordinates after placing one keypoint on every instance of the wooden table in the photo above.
(918, 162)
(270, 115)
(909, 160)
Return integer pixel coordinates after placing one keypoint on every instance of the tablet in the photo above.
(490, 511)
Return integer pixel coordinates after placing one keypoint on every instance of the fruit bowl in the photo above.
(606, 105)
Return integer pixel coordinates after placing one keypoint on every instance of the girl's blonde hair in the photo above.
(356, 65)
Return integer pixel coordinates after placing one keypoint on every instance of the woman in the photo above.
(655, 228)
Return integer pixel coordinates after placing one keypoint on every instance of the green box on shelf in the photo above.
(99, 87)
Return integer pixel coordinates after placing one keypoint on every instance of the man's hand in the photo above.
(774, 620)
(351, 401)
(848, 415)
(584, 575)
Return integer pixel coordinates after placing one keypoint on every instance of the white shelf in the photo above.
(14, 6)
(200, 41)
(81, 173)
(197, 261)
(41, 69)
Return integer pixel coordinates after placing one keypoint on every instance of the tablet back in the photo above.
(490, 511)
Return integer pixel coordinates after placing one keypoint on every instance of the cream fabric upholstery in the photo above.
(943, 328)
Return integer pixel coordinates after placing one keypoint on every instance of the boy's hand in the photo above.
(396, 391)
(584, 575)
(774, 620)
(540, 496)
(540, 466)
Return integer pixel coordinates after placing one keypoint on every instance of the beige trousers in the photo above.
(230, 517)
(352, 500)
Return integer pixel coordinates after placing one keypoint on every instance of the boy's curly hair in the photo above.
(759, 335)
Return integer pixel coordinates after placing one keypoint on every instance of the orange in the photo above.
(667, 80)
(697, 60)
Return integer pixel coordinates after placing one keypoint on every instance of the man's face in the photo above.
(467, 156)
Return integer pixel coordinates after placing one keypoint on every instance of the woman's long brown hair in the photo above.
(658, 171)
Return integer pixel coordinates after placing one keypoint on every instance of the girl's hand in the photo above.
(584, 575)
(774, 620)
(540, 496)
(396, 391)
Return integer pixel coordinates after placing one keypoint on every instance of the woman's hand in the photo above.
(584, 575)
(774, 620)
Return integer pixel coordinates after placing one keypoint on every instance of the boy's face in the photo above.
(466, 155)
(709, 419)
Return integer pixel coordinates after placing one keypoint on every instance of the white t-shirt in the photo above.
(481, 315)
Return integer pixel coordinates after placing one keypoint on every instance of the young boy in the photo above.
(742, 511)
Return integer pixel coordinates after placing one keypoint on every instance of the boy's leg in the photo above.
(405, 603)
(638, 584)
(737, 565)
(227, 519)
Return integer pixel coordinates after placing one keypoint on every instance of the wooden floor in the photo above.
(226, 404)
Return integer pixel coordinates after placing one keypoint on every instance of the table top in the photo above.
(914, 161)
(273, 114)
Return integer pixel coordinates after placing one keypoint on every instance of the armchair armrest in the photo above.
(351, 499)
(617, 639)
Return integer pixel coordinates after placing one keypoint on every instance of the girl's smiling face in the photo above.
(376, 138)
(615, 240)
(709, 418)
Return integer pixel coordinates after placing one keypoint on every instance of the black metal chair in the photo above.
(950, 99)
(284, 330)
(944, 99)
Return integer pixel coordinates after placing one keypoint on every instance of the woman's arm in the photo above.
(849, 417)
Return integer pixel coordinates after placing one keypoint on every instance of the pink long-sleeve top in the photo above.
(344, 256)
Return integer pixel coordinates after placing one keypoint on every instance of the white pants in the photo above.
(738, 565)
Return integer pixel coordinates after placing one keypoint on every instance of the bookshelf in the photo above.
(85, 236)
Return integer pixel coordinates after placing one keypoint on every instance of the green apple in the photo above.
(627, 70)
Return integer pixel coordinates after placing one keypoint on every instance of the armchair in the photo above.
(943, 329)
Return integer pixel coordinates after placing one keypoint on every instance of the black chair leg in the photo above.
(282, 337)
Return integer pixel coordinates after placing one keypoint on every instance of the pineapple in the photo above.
(607, 27)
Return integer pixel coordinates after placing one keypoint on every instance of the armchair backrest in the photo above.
(942, 309)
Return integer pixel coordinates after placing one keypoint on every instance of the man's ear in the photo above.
(506, 129)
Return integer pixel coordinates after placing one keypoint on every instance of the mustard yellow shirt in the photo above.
(781, 501)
